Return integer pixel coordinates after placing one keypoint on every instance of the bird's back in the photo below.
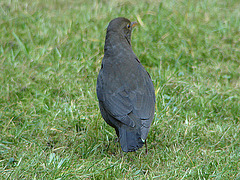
(127, 99)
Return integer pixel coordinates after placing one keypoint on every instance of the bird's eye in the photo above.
(128, 26)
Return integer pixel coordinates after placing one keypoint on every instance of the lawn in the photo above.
(50, 56)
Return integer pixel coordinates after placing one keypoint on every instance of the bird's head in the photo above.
(121, 26)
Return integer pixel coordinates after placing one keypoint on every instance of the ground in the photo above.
(50, 55)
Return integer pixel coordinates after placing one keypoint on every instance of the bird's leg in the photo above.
(146, 147)
(116, 140)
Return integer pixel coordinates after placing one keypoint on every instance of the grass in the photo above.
(50, 124)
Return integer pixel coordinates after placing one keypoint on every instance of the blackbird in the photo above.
(124, 88)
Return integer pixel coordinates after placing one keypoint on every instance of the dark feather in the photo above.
(125, 89)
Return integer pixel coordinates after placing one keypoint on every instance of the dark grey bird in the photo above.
(124, 88)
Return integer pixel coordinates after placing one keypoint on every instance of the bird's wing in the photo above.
(128, 97)
(144, 101)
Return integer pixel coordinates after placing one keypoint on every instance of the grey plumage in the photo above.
(124, 88)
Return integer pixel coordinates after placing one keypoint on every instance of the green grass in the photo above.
(50, 124)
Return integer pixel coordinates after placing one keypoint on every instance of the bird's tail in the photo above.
(130, 138)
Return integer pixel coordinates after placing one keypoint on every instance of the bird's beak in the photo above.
(134, 23)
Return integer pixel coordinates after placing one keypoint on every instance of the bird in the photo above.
(125, 90)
